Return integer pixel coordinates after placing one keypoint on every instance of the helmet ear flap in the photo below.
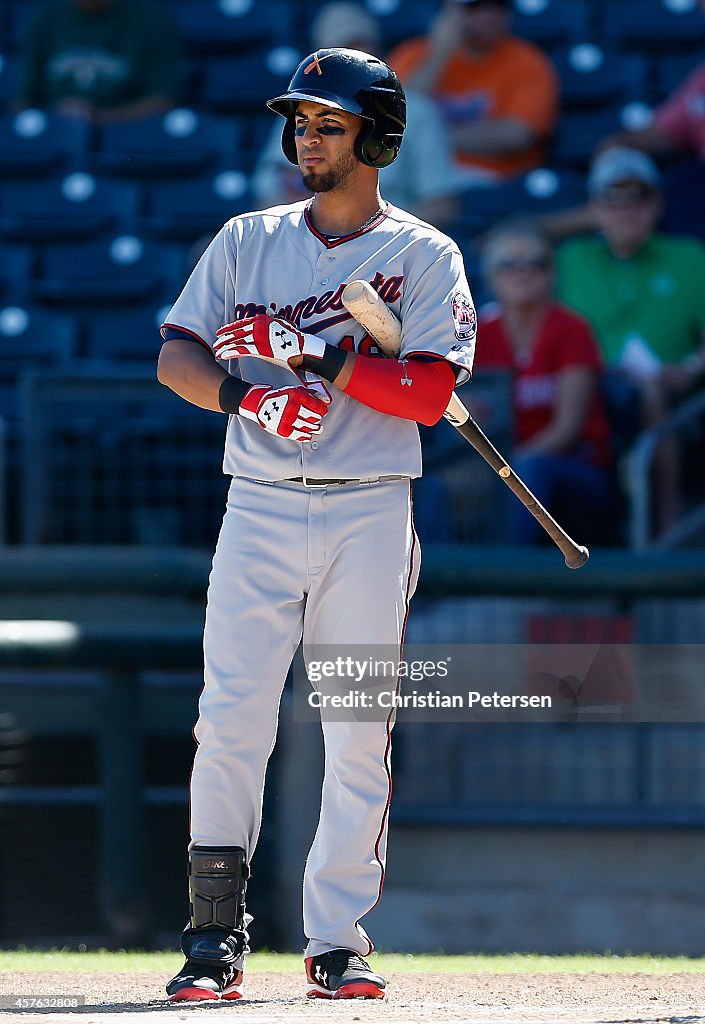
(379, 153)
(288, 143)
(375, 149)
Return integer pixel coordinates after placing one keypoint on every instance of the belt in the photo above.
(308, 482)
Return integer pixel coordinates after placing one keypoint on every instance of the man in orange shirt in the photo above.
(497, 93)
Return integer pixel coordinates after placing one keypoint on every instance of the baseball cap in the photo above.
(622, 163)
(338, 24)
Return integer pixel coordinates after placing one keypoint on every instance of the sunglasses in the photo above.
(534, 263)
(626, 195)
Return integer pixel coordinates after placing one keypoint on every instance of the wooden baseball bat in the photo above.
(363, 302)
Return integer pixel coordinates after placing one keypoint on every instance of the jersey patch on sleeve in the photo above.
(464, 317)
(465, 324)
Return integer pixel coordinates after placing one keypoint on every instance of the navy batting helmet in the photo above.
(354, 81)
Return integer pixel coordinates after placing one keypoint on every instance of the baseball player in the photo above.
(317, 541)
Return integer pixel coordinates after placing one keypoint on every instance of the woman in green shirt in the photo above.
(644, 295)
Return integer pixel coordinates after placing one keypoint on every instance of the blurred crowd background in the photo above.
(561, 143)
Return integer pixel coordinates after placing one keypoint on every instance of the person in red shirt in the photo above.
(562, 433)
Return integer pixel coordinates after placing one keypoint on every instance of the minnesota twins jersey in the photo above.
(275, 261)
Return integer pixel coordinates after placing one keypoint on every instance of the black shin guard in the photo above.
(217, 885)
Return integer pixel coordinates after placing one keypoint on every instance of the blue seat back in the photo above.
(191, 209)
(125, 268)
(71, 206)
(181, 141)
(233, 26)
(127, 334)
(591, 76)
(653, 25)
(37, 142)
(244, 82)
(552, 23)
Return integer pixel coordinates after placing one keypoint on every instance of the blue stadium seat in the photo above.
(552, 23)
(671, 70)
(34, 142)
(233, 26)
(189, 210)
(593, 77)
(653, 24)
(539, 191)
(31, 337)
(124, 268)
(30, 334)
(9, 68)
(125, 335)
(256, 129)
(18, 14)
(578, 133)
(105, 456)
(16, 262)
(76, 205)
(182, 141)
(243, 84)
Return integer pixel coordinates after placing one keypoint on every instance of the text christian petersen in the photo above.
(434, 699)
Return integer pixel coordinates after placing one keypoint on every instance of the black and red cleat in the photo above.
(197, 982)
(215, 960)
(342, 974)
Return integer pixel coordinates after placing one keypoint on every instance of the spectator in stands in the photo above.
(643, 292)
(677, 125)
(498, 93)
(101, 60)
(675, 135)
(562, 434)
(422, 179)
(678, 130)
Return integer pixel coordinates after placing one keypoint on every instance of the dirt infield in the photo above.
(418, 998)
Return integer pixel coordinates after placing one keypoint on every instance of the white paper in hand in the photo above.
(638, 360)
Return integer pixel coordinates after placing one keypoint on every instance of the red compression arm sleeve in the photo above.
(406, 388)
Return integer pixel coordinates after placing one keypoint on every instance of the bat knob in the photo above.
(353, 291)
(578, 558)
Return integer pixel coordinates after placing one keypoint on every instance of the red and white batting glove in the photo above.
(267, 337)
(293, 412)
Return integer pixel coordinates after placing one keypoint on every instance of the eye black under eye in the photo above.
(325, 129)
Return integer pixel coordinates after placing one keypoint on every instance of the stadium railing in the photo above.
(687, 419)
